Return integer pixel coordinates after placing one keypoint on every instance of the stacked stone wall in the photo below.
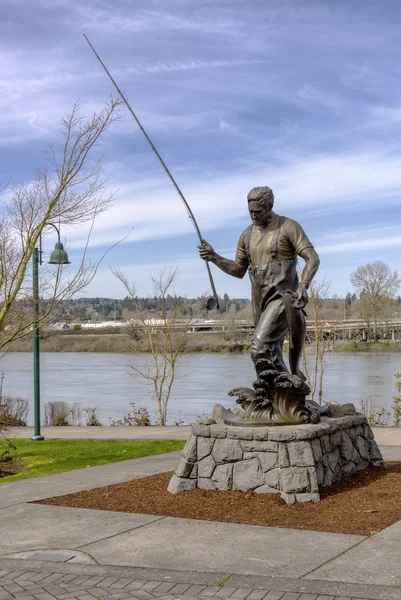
(293, 461)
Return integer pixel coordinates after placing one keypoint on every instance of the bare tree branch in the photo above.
(71, 193)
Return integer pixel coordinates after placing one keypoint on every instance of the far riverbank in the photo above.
(117, 343)
(353, 346)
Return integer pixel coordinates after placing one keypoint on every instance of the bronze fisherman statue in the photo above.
(268, 250)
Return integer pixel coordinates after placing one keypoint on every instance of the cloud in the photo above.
(385, 114)
(315, 95)
(224, 126)
(154, 210)
(145, 20)
(305, 93)
(357, 76)
(359, 238)
(189, 269)
(32, 123)
(189, 65)
(369, 244)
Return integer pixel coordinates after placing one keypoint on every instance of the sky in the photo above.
(301, 95)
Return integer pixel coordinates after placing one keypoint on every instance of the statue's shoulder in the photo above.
(293, 233)
(285, 219)
(289, 225)
(246, 233)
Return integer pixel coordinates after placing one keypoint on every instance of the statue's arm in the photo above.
(312, 261)
(235, 267)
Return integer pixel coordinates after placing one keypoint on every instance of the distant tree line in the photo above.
(116, 309)
(109, 309)
(374, 298)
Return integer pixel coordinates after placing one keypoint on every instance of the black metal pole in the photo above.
(36, 346)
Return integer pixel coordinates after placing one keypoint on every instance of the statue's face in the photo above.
(259, 212)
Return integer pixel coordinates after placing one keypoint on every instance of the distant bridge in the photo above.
(349, 329)
(356, 329)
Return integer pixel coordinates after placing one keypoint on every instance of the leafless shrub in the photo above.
(375, 417)
(137, 416)
(92, 417)
(57, 413)
(166, 339)
(14, 410)
(75, 414)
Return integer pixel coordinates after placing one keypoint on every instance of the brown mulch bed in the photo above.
(363, 504)
(11, 467)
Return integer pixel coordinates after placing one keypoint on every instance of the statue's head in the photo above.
(260, 204)
(262, 194)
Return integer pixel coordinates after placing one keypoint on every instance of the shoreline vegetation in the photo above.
(199, 342)
(124, 344)
(354, 346)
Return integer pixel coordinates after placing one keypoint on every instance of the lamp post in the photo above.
(58, 257)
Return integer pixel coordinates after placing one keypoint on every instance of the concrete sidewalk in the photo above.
(50, 552)
(154, 432)
(385, 436)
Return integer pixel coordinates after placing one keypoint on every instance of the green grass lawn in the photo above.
(55, 456)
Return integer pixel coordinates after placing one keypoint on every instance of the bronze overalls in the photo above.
(269, 284)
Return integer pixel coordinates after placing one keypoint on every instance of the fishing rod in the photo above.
(212, 302)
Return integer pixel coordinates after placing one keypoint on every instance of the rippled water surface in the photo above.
(105, 381)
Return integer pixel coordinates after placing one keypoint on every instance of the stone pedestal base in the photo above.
(293, 461)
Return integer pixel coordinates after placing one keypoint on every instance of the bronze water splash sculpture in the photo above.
(268, 250)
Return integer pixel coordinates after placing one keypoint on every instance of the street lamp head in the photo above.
(59, 256)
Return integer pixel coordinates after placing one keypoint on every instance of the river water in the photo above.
(105, 381)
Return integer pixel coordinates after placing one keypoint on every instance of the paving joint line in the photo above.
(159, 569)
(223, 583)
(7, 556)
(18, 503)
(110, 537)
(334, 557)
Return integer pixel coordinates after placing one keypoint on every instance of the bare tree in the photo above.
(165, 338)
(232, 331)
(318, 291)
(70, 191)
(376, 284)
